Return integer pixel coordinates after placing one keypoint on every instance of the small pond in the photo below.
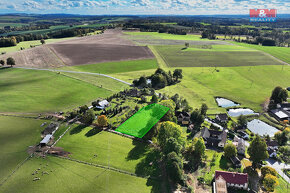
(240, 111)
(261, 128)
(222, 102)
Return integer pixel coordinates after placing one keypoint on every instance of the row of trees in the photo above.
(159, 79)
(9, 61)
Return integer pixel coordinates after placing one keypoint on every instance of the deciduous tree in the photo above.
(258, 150)
(102, 121)
(230, 150)
(10, 61)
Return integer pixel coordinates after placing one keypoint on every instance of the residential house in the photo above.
(233, 179)
(280, 115)
(240, 144)
(220, 185)
(183, 118)
(236, 161)
(49, 129)
(102, 104)
(223, 117)
(213, 138)
(272, 147)
(284, 106)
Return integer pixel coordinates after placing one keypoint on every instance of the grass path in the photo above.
(160, 60)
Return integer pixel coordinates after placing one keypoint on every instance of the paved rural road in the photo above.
(278, 166)
(76, 72)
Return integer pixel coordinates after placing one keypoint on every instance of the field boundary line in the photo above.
(160, 60)
(16, 168)
(76, 72)
(105, 167)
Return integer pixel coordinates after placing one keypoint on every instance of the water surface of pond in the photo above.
(240, 111)
(222, 102)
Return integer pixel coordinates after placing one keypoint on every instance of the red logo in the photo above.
(263, 13)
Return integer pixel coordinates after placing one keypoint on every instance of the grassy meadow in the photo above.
(101, 147)
(215, 55)
(115, 67)
(282, 53)
(70, 177)
(156, 35)
(43, 91)
(16, 134)
(248, 85)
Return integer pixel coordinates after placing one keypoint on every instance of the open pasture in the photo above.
(142, 121)
(248, 85)
(71, 177)
(16, 134)
(43, 91)
(282, 53)
(226, 56)
(116, 67)
(105, 148)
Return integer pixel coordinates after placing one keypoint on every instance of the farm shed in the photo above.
(45, 140)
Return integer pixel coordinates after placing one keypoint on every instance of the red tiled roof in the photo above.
(232, 177)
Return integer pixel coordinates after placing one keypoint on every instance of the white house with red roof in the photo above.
(232, 179)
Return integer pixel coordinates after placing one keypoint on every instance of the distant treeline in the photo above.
(155, 28)
(14, 40)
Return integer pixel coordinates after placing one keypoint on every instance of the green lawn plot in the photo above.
(43, 91)
(106, 83)
(66, 176)
(27, 44)
(283, 185)
(282, 53)
(217, 55)
(116, 67)
(16, 134)
(166, 36)
(142, 121)
(104, 148)
(248, 85)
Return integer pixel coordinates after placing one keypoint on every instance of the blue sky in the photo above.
(162, 7)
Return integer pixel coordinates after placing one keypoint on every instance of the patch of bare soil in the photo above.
(72, 54)
(58, 151)
(38, 57)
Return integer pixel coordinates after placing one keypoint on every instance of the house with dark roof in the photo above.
(284, 106)
(240, 144)
(213, 138)
(272, 147)
(288, 88)
(183, 118)
(232, 179)
(280, 115)
(49, 129)
(236, 161)
(223, 117)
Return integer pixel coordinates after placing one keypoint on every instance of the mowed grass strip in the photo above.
(142, 121)
(104, 148)
(167, 36)
(16, 134)
(71, 177)
(42, 91)
(116, 67)
(175, 56)
(282, 53)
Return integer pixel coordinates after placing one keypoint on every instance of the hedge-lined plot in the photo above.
(142, 121)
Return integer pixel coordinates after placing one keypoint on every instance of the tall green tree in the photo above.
(282, 137)
(170, 115)
(88, 117)
(197, 118)
(177, 74)
(279, 95)
(242, 121)
(174, 167)
(203, 109)
(230, 150)
(2, 62)
(154, 99)
(167, 130)
(10, 61)
(199, 149)
(258, 150)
